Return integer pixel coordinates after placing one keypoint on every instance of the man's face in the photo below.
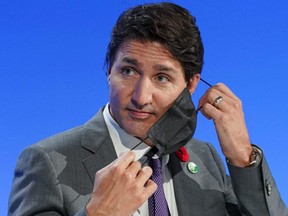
(144, 81)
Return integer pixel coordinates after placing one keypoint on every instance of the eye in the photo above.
(162, 78)
(127, 71)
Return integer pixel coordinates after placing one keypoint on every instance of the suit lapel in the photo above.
(98, 142)
(188, 193)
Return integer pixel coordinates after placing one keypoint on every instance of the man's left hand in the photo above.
(220, 104)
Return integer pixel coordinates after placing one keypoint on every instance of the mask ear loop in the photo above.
(150, 153)
(139, 143)
(206, 84)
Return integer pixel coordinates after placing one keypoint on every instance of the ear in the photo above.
(108, 71)
(108, 75)
(193, 82)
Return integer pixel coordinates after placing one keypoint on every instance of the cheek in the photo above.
(115, 102)
(165, 101)
(119, 95)
(115, 96)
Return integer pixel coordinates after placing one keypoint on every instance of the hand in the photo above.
(121, 187)
(229, 122)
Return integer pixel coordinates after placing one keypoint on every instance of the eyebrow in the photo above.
(131, 61)
(157, 67)
(160, 67)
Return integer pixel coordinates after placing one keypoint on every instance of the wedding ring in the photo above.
(217, 101)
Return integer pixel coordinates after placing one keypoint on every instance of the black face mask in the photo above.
(176, 127)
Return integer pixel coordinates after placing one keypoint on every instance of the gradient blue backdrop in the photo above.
(52, 76)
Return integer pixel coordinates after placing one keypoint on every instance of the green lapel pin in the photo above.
(193, 168)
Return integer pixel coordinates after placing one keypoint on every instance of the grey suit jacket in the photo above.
(56, 177)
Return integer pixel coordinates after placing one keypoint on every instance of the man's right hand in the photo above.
(121, 187)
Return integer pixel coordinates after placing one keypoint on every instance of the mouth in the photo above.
(139, 114)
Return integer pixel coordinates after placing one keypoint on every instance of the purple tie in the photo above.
(157, 202)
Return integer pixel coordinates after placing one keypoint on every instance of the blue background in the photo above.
(52, 76)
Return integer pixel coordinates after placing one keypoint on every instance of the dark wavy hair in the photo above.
(166, 23)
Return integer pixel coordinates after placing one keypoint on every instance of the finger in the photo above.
(220, 102)
(217, 90)
(224, 107)
(211, 96)
(230, 102)
(133, 169)
(150, 188)
(222, 88)
(124, 160)
(143, 175)
(209, 111)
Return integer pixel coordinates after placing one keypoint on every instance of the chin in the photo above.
(137, 133)
(136, 128)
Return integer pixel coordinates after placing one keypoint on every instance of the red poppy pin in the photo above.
(182, 154)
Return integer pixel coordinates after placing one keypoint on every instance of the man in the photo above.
(155, 55)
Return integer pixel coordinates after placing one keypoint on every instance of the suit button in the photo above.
(269, 189)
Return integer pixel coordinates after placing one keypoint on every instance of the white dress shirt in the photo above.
(123, 142)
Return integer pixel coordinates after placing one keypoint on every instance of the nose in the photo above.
(142, 94)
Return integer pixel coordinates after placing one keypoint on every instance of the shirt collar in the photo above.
(123, 141)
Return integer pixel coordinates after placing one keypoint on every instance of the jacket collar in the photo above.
(97, 140)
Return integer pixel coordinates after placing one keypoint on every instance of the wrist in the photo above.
(249, 158)
(91, 210)
(255, 157)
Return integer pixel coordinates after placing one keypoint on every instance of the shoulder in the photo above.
(200, 147)
(53, 149)
(73, 137)
(68, 143)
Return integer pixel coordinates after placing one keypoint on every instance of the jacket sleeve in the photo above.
(35, 188)
(256, 191)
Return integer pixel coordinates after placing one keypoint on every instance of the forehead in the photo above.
(153, 46)
(145, 51)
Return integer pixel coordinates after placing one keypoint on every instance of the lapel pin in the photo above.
(193, 168)
(182, 154)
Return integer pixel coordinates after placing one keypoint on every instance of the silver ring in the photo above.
(217, 101)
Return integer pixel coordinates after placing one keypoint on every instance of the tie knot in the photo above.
(155, 163)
